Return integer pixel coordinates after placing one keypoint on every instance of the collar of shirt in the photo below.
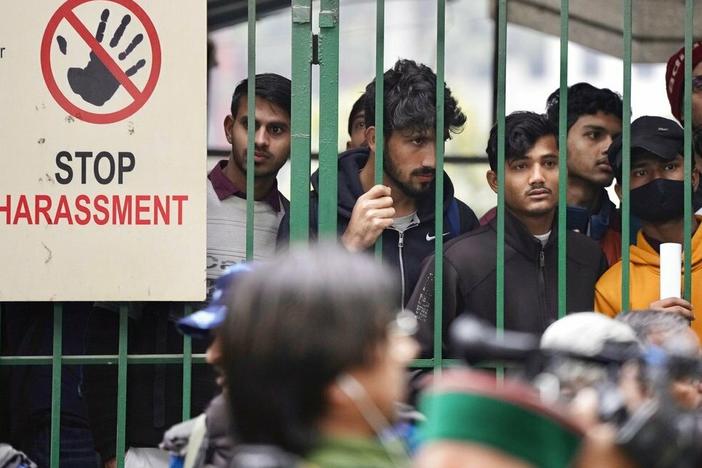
(225, 188)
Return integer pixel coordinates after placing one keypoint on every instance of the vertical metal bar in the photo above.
(301, 118)
(687, 218)
(501, 90)
(439, 193)
(329, 114)
(56, 386)
(379, 103)
(562, 165)
(187, 367)
(122, 384)
(251, 129)
(626, 155)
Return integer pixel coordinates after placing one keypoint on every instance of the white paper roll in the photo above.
(671, 265)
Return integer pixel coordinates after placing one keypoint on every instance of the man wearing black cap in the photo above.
(657, 199)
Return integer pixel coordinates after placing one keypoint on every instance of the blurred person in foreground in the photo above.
(314, 360)
(671, 333)
(205, 441)
(473, 420)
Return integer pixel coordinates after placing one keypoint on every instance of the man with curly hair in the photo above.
(400, 210)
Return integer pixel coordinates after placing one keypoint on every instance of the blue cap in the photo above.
(200, 323)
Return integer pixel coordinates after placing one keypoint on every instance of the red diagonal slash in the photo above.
(102, 54)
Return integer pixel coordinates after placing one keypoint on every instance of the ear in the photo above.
(370, 138)
(228, 127)
(618, 190)
(491, 177)
(695, 180)
(348, 145)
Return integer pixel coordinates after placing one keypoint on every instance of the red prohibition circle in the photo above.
(93, 117)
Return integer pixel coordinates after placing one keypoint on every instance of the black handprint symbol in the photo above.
(95, 83)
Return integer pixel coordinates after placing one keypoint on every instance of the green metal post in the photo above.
(301, 117)
(687, 219)
(379, 103)
(562, 165)
(122, 384)
(439, 193)
(251, 129)
(329, 115)
(56, 386)
(626, 156)
(187, 366)
(101, 359)
(501, 90)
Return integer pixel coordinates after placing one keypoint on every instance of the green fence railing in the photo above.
(330, 17)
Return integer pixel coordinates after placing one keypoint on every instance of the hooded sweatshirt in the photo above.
(530, 279)
(402, 251)
(644, 279)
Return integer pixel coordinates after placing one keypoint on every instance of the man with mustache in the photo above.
(400, 211)
(593, 119)
(657, 199)
(530, 263)
(226, 190)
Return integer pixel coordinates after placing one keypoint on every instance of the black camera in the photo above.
(658, 434)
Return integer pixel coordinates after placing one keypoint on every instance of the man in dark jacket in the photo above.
(401, 209)
(531, 272)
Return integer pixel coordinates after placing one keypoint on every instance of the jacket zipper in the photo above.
(542, 285)
(400, 245)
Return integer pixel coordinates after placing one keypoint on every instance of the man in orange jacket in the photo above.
(657, 199)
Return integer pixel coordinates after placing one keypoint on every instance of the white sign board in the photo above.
(102, 150)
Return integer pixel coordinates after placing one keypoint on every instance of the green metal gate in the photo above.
(302, 47)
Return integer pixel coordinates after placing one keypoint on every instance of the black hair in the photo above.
(357, 108)
(522, 130)
(269, 86)
(584, 99)
(296, 324)
(409, 99)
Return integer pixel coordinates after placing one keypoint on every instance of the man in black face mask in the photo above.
(657, 199)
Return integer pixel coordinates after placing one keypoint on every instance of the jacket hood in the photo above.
(643, 254)
(349, 185)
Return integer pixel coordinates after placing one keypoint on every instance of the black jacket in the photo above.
(25, 391)
(154, 392)
(531, 279)
(403, 252)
